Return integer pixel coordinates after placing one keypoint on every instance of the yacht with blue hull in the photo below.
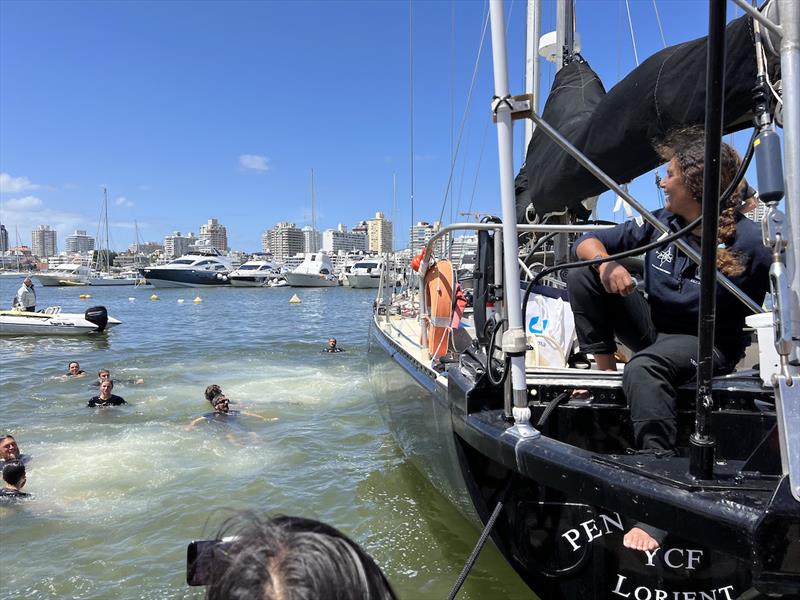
(204, 269)
(530, 438)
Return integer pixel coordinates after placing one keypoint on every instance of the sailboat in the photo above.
(103, 275)
(494, 426)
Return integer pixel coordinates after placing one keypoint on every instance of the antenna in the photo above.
(313, 215)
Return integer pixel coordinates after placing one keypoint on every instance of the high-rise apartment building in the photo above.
(177, 244)
(758, 213)
(214, 234)
(3, 239)
(334, 240)
(379, 234)
(421, 233)
(312, 240)
(284, 240)
(78, 242)
(44, 242)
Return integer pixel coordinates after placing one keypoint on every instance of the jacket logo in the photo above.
(664, 256)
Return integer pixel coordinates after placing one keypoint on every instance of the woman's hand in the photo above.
(616, 278)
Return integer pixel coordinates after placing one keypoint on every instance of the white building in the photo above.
(421, 233)
(379, 234)
(312, 240)
(334, 240)
(78, 242)
(176, 244)
(214, 234)
(463, 244)
(284, 241)
(758, 213)
(44, 242)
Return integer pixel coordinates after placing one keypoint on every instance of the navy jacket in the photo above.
(672, 281)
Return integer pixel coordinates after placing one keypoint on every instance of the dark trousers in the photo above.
(29, 308)
(662, 361)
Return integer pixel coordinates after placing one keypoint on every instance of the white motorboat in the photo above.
(106, 279)
(199, 269)
(52, 321)
(315, 271)
(66, 274)
(253, 273)
(366, 273)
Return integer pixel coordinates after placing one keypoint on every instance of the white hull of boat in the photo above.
(249, 281)
(310, 280)
(56, 280)
(363, 281)
(22, 323)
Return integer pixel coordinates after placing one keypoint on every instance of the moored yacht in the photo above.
(253, 273)
(366, 273)
(199, 269)
(66, 274)
(315, 271)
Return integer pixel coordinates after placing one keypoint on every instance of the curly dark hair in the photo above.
(687, 147)
(212, 392)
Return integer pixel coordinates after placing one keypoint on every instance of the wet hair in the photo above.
(13, 473)
(7, 436)
(212, 392)
(73, 362)
(292, 558)
(101, 371)
(687, 147)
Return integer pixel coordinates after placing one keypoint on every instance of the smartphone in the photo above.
(199, 558)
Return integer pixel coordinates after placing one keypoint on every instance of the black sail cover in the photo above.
(617, 130)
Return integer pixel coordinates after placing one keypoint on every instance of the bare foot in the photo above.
(638, 539)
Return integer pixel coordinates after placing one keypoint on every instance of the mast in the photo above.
(514, 338)
(105, 217)
(313, 215)
(532, 76)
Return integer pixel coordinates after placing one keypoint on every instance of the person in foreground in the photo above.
(332, 347)
(14, 480)
(662, 328)
(26, 296)
(106, 398)
(286, 558)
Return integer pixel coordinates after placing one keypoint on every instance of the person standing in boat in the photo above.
(661, 329)
(26, 296)
(106, 398)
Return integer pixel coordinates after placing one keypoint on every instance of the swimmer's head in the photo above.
(220, 403)
(106, 386)
(14, 474)
(104, 374)
(212, 392)
(332, 343)
(8, 448)
(74, 367)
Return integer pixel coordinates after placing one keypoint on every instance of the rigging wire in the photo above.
(633, 37)
(411, 104)
(660, 29)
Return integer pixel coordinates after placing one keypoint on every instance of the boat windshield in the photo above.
(182, 261)
(249, 267)
(370, 265)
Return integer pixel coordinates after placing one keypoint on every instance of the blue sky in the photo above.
(192, 110)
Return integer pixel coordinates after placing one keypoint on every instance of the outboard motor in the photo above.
(97, 315)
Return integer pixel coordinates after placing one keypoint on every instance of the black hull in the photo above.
(159, 277)
(568, 508)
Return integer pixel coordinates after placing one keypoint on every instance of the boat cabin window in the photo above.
(313, 257)
(182, 262)
(367, 265)
(324, 271)
(220, 268)
(249, 267)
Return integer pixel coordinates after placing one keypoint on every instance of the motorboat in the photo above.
(51, 321)
(366, 273)
(114, 279)
(487, 410)
(63, 275)
(200, 269)
(316, 270)
(253, 273)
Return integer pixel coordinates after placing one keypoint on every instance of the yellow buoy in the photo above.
(294, 300)
(154, 297)
(85, 296)
(197, 300)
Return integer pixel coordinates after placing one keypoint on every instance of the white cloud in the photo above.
(123, 201)
(26, 203)
(254, 162)
(28, 212)
(13, 185)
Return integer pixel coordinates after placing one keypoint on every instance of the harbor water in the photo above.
(118, 493)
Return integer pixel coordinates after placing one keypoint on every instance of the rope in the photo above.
(633, 37)
(481, 542)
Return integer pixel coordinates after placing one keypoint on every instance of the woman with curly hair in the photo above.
(661, 326)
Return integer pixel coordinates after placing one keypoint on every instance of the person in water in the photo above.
(14, 479)
(26, 296)
(221, 405)
(661, 329)
(9, 451)
(332, 347)
(105, 375)
(291, 557)
(74, 370)
(106, 398)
